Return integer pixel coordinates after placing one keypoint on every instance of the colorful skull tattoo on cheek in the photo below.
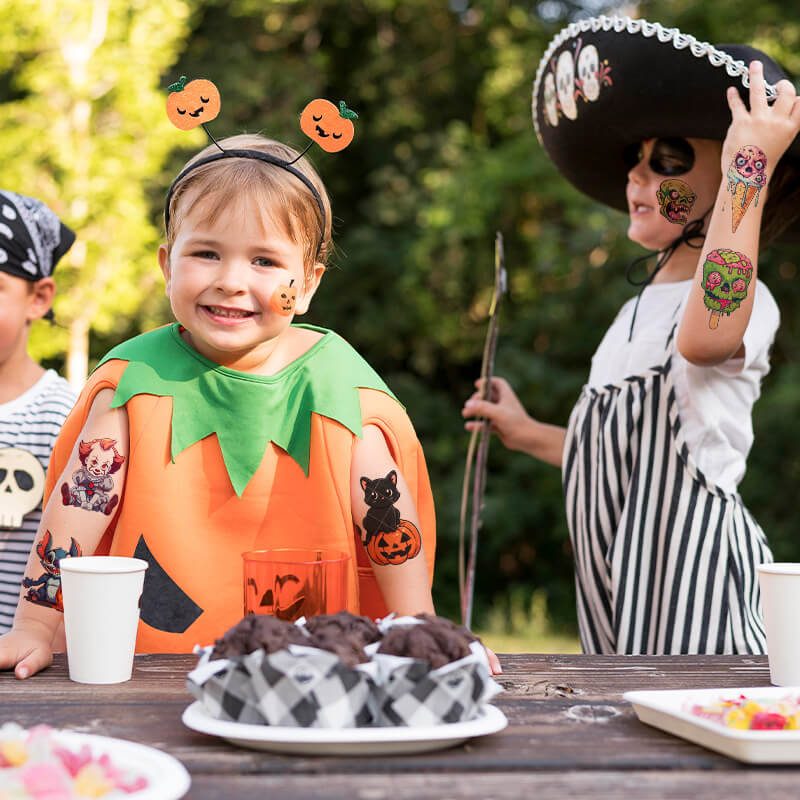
(675, 200)
(726, 278)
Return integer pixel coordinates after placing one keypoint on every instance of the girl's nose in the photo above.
(230, 277)
(638, 173)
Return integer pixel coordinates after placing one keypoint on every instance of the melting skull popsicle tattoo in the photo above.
(747, 176)
(726, 277)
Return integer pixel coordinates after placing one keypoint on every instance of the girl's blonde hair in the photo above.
(281, 195)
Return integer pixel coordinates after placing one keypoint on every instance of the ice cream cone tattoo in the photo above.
(726, 278)
(746, 178)
(675, 200)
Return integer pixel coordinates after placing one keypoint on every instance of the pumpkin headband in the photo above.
(199, 102)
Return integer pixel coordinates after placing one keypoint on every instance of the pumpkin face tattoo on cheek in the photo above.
(46, 589)
(92, 483)
(283, 299)
(675, 200)
(387, 538)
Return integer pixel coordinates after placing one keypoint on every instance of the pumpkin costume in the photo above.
(223, 461)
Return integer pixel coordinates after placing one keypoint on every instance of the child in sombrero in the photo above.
(651, 121)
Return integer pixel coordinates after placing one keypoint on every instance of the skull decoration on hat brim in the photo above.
(606, 83)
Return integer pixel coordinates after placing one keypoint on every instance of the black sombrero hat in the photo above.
(606, 83)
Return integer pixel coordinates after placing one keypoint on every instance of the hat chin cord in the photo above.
(690, 233)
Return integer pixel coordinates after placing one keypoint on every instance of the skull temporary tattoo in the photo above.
(550, 100)
(588, 72)
(726, 278)
(565, 84)
(747, 176)
(21, 485)
(675, 200)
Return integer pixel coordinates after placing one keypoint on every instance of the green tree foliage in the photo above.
(84, 130)
(444, 155)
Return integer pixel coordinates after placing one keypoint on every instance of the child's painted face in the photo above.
(656, 218)
(225, 280)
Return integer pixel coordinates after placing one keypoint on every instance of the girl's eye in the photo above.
(210, 254)
(263, 261)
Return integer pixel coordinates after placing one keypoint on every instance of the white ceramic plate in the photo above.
(167, 778)
(346, 741)
(669, 711)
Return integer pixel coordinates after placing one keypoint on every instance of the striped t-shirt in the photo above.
(29, 426)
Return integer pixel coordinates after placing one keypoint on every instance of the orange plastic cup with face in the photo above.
(291, 583)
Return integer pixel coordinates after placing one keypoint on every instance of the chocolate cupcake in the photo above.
(435, 640)
(258, 632)
(359, 630)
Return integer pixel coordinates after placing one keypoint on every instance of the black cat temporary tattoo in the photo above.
(387, 538)
(92, 483)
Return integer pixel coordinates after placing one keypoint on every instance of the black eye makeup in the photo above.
(670, 156)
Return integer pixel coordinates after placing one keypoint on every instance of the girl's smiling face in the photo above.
(695, 162)
(222, 277)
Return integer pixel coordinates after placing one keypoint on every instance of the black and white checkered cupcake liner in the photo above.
(297, 687)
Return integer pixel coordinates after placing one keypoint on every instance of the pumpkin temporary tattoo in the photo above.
(330, 127)
(675, 200)
(387, 538)
(747, 176)
(92, 483)
(283, 299)
(46, 589)
(726, 277)
(192, 104)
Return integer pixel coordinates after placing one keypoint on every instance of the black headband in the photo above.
(259, 156)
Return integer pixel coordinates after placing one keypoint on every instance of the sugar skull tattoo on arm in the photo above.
(726, 278)
(747, 176)
(675, 200)
(387, 538)
(92, 483)
(46, 589)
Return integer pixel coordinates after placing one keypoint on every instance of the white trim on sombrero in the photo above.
(680, 41)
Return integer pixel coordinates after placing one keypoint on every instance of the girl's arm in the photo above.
(721, 299)
(80, 509)
(384, 512)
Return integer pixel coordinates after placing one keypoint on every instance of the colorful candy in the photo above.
(745, 714)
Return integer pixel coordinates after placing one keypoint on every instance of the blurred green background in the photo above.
(444, 155)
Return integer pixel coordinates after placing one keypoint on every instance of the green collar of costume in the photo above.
(246, 411)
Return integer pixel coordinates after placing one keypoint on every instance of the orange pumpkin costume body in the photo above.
(179, 509)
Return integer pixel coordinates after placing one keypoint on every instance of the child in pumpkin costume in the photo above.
(232, 429)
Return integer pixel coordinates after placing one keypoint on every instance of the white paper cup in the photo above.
(102, 596)
(780, 601)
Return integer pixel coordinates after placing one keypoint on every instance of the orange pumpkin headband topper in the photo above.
(198, 102)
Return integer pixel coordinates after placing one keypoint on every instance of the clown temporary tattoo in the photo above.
(46, 589)
(21, 485)
(283, 299)
(387, 538)
(675, 200)
(92, 483)
(747, 176)
(330, 127)
(726, 277)
(192, 104)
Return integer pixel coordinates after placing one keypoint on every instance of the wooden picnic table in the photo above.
(570, 734)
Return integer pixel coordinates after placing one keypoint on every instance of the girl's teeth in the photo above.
(228, 312)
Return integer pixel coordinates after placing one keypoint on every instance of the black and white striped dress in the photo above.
(30, 423)
(664, 559)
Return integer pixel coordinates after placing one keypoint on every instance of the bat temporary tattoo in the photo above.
(46, 589)
(726, 278)
(747, 176)
(92, 483)
(387, 538)
(675, 200)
